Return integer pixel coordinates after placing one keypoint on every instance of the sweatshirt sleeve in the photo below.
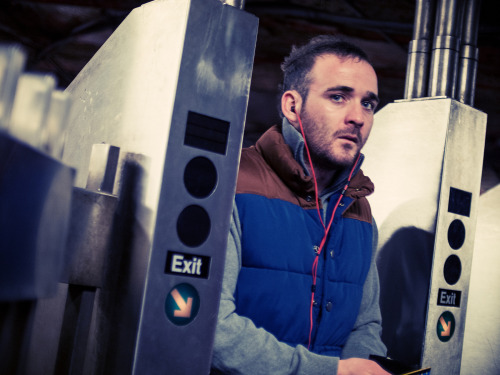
(365, 338)
(242, 348)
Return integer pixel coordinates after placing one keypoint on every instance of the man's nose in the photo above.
(355, 115)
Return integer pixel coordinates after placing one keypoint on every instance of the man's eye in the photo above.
(336, 97)
(368, 105)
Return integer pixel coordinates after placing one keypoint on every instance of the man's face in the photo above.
(338, 114)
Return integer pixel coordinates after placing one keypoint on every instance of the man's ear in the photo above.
(291, 104)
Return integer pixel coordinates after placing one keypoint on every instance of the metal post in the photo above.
(444, 61)
(468, 54)
(240, 4)
(417, 71)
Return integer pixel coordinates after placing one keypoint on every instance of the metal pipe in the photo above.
(240, 4)
(444, 62)
(417, 70)
(12, 61)
(469, 53)
(102, 168)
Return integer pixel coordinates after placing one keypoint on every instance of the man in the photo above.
(300, 290)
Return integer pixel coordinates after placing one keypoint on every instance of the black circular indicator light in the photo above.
(456, 234)
(200, 177)
(182, 304)
(193, 226)
(452, 269)
(445, 327)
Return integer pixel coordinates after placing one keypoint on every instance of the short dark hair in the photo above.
(299, 63)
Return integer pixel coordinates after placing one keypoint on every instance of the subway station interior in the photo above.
(121, 126)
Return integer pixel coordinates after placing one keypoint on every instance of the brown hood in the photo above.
(269, 169)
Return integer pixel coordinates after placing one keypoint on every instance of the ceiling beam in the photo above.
(100, 4)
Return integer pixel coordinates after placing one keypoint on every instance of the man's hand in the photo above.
(358, 366)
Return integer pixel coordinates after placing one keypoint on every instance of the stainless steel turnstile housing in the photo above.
(169, 91)
(425, 157)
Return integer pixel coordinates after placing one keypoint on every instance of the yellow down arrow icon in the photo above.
(184, 310)
(446, 327)
(182, 304)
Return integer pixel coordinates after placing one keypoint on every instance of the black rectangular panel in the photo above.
(191, 265)
(447, 297)
(206, 133)
(460, 202)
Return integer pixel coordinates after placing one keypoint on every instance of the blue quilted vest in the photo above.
(280, 232)
(274, 285)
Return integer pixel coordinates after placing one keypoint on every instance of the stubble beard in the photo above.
(326, 157)
(331, 161)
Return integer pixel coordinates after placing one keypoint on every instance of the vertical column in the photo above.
(181, 299)
(454, 243)
(444, 63)
(417, 69)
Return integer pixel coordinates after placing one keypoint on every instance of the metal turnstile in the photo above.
(425, 158)
(162, 105)
(35, 202)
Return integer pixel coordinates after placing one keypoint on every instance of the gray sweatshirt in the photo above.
(242, 348)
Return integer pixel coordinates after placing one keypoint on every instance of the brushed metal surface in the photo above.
(462, 168)
(417, 151)
(170, 61)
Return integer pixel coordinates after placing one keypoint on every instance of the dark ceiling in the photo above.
(61, 36)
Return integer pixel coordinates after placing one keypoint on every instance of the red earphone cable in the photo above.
(327, 229)
(312, 171)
